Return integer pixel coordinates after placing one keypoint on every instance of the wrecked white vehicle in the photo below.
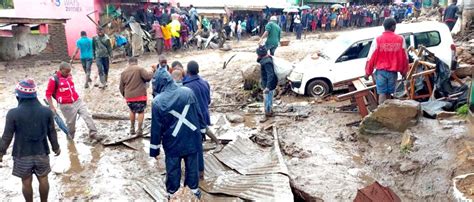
(345, 57)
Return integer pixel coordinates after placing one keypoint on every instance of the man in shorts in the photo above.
(388, 58)
(133, 85)
(32, 125)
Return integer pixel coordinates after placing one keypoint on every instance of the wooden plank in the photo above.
(423, 73)
(361, 106)
(412, 69)
(428, 64)
(358, 84)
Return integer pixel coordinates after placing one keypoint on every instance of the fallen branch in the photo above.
(109, 116)
(279, 114)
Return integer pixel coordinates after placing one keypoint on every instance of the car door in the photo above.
(351, 63)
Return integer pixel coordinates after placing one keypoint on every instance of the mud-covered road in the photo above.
(326, 159)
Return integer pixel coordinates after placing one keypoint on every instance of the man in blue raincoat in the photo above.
(177, 124)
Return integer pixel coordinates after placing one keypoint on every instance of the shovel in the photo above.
(59, 121)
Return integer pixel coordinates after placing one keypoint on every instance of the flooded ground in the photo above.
(326, 159)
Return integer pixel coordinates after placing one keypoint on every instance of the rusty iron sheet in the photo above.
(155, 187)
(220, 179)
(248, 158)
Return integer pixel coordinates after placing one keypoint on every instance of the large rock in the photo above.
(251, 75)
(235, 118)
(393, 115)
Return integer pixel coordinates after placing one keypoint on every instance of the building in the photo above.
(39, 11)
(49, 42)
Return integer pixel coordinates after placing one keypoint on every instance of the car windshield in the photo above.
(335, 47)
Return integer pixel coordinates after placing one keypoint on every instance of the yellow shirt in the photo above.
(166, 32)
(175, 28)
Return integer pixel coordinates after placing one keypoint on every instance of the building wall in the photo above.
(31, 47)
(75, 10)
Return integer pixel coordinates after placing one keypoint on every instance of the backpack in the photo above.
(56, 85)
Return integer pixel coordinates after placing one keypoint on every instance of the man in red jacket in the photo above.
(388, 58)
(61, 88)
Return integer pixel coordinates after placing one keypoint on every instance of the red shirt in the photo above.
(389, 54)
(66, 92)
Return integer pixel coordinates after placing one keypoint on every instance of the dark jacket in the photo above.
(450, 14)
(267, 73)
(154, 83)
(202, 90)
(101, 46)
(31, 124)
(133, 81)
(176, 122)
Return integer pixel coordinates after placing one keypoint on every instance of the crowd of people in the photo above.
(326, 18)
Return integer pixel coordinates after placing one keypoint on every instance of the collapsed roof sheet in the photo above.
(247, 158)
(263, 187)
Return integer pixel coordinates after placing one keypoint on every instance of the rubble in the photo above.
(406, 167)
(235, 118)
(393, 115)
(262, 140)
(294, 150)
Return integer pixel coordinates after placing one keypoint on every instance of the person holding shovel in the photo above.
(32, 125)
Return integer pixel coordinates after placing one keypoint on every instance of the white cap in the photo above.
(273, 18)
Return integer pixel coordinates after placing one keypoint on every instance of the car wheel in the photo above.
(318, 88)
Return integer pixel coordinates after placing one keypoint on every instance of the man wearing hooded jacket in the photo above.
(177, 125)
(269, 80)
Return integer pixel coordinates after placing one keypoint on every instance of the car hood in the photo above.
(309, 64)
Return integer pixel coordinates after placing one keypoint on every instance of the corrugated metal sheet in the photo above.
(247, 158)
(155, 187)
(220, 179)
(250, 173)
(267, 187)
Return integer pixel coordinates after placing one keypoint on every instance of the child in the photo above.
(239, 31)
(167, 36)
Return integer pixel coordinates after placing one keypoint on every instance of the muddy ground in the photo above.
(327, 159)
